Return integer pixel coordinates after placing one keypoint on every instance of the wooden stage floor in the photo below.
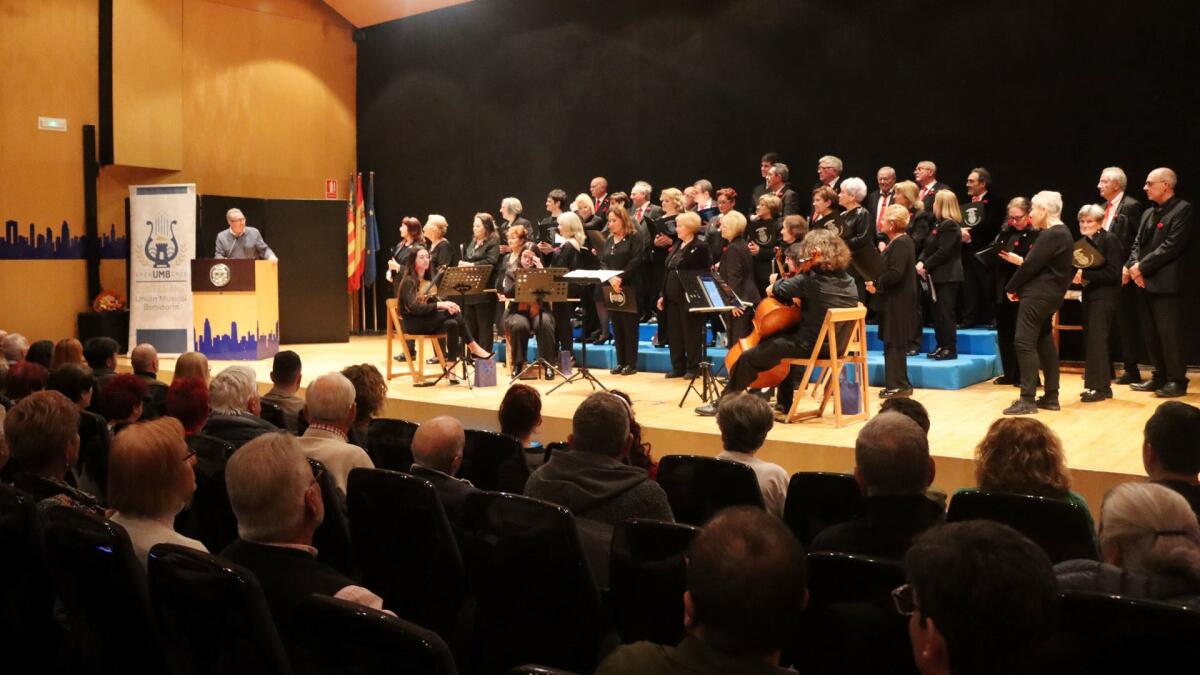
(1103, 440)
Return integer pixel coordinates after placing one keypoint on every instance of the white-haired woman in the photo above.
(1039, 284)
(1101, 281)
(567, 253)
(686, 329)
(441, 252)
(858, 230)
(1149, 545)
(583, 207)
(510, 215)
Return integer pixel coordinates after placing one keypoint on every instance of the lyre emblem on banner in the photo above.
(161, 245)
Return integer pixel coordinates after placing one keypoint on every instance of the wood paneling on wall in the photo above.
(147, 83)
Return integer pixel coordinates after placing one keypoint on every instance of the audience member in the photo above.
(744, 419)
(187, 401)
(910, 408)
(370, 391)
(43, 439)
(24, 378)
(210, 517)
(893, 469)
(639, 450)
(122, 398)
(285, 374)
(590, 479)
(5, 401)
(13, 347)
(233, 395)
(75, 382)
(144, 360)
(1024, 456)
(150, 480)
(67, 350)
(520, 418)
(1150, 545)
(278, 504)
(330, 407)
(40, 353)
(1171, 450)
(101, 356)
(192, 364)
(980, 598)
(437, 449)
(4, 453)
(746, 586)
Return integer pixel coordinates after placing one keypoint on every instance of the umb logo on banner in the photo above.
(163, 221)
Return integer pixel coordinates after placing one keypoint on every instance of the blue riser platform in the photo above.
(981, 341)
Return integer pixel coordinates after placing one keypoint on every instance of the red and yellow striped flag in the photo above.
(353, 244)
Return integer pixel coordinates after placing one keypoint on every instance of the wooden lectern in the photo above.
(235, 308)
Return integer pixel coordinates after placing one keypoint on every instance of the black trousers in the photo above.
(685, 330)
(1164, 341)
(481, 321)
(1129, 328)
(519, 327)
(591, 318)
(895, 366)
(625, 336)
(1098, 314)
(974, 305)
(1006, 332)
(1035, 346)
(438, 322)
(563, 330)
(655, 272)
(766, 356)
(738, 327)
(945, 322)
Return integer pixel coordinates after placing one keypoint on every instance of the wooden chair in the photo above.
(395, 331)
(853, 353)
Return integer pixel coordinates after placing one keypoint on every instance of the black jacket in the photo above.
(1104, 281)
(287, 575)
(943, 253)
(1125, 223)
(737, 269)
(237, 429)
(1160, 243)
(886, 529)
(627, 255)
(1047, 270)
(897, 291)
(452, 492)
(692, 256)
(937, 186)
(486, 252)
(1014, 241)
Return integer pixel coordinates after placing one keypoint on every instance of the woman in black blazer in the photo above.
(410, 236)
(941, 264)
(425, 314)
(568, 254)
(762, 238)
(1101, 290)
(623, 251)
(1016, 236)
(484, 249)
(737, 270)
(686, 328)
(441, 252)
(897, 298)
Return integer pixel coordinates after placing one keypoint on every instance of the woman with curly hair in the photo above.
(1024, 456)
(639, 450)
(370, 391)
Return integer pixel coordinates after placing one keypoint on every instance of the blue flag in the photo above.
(372, 246)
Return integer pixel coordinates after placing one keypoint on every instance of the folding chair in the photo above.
(843, 338)
(395, 330)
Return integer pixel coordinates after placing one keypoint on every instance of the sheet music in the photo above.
(599, 275)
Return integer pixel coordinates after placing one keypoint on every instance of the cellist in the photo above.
(824, 286)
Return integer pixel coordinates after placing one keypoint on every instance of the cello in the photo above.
(770, 317)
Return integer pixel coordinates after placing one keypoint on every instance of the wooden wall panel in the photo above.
(147, 86)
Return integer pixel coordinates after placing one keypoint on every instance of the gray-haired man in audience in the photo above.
(330, 404)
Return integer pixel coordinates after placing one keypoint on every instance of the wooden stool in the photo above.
(395, 331)
(853, 353)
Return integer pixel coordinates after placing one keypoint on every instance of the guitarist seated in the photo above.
(826, 285)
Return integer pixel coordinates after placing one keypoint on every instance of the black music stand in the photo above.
(461, 281)
(583, 278)
(540, 286)
(706, 293)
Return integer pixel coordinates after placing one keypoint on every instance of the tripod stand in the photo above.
(709, 387)
(463, 281)
(536, 287)
(581, 370)
(706, 294)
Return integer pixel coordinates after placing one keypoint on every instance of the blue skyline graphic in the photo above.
(45, 245)
(234, 347)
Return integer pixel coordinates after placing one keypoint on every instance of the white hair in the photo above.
(856, 187)
(1116, 173)
(233, 213)
(230, 389)
(835, 162)
(888, 169)
(1050, 201)
(266, 480)
(14, 346)
(438, 221)
(642, 187)
(572, 228)
(929, 165)
(512, 204)
(1091, 212)
(329, 398)
(1153, 527)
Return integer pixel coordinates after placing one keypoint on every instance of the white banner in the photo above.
(162, 244)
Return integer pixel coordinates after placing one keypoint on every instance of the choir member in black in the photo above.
(736, 267)
(920, 223)
(791, 231)
(410, 235)
(521, 319)
(777, 184)
(896, 300)
(661, 243)
(441, 252)
(1122, 213)
(982, 218)
(595, 316)
(726, 202)
(941, 264)
(689, 254)
(510, 215)
(762, 237)
(829, 172)
(1156, 266)
(824, 215)
(567, 253)
(764, 167)
(926, 177)
(1016, 237)
(421, 313)
(858, 231)
(556, 204)
(623, 251)
(598, 199)
(878, 201)
(826, 285)
(587, 214)
(516, 238)
(1101, 291)
(484, 249)
(1039, 285)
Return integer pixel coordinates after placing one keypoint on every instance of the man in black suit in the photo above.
(777, 184)
(437, 449)
(829, 173)
(644, 214)
(982, 217)
(599, 191)
(1122, 214)
(926, 177)
(1155, 265)
(768, 160)
(878, 201)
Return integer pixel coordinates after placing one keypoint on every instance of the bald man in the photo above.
(598, 189)
(1156, 267)
(144, 360)
(437, 449)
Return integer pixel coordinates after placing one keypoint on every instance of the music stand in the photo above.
(462, 281)
(540, 286)
(584, 278)
(706, 293)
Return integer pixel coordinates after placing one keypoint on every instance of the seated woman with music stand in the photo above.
(421, 313)
(819, 282)
(523, 318)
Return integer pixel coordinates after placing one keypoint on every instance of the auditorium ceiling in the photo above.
(363, 13)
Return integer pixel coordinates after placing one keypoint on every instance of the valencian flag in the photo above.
(360, 231)
(352, 244)
(372, 243)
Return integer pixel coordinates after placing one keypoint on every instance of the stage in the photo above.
(1103, 441)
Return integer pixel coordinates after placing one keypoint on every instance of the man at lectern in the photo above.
(240, 241)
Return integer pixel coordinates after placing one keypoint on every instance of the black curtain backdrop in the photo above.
(461, 107)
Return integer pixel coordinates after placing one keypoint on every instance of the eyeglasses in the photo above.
(190, 454)
(317, 473)
(905, 599)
